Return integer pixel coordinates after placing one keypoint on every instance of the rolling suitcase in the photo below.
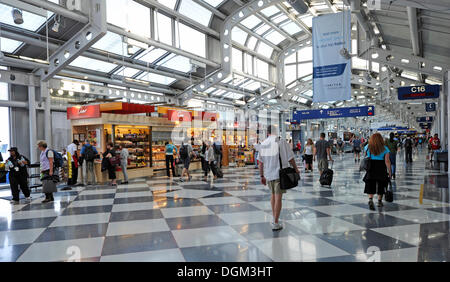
(216, 170)
(327, 177)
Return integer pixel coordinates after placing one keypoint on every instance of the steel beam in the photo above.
(59, 10)
(32, 121)
(82, 41)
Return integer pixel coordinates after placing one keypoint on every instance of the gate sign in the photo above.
(425, 119)
(430, 107)
(419, 92)
(334, 113)
(425, 125)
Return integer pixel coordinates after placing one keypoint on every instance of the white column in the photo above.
(283, 125)
(32, 119)
(47, 114)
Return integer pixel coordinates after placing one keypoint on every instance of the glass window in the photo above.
(30, 21)
(237, 59)
(270, 11)
(9, 45)
(168, 3)
(290, 73)
(248, 63)
(190, 8)
(130, 15)
(164, 31)
(178, 63)
(251, 22)
(263, 69)
(4, 132)
(305, 69)
(305, 54)
(265, 50)
(92, 64)
(239, 35)
(152, 55)
(214, 3)
(291, 28)
(192, 40)
(156, 78)
(252, 43)
(275, 37)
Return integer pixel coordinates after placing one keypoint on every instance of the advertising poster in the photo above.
(332, 72)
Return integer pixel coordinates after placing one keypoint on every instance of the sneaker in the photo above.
(277, 226)
(371, 206)
(14, 202)
(28, 200)
(47, 201)
(380, 204)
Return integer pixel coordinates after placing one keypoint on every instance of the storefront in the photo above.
(143, 130)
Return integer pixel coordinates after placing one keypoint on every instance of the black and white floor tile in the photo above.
(163, 219)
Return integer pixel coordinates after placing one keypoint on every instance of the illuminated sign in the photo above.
(419, 92)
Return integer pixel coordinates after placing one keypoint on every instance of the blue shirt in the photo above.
(380, 157)
(83, 149)
(170, 148)
(356, 143)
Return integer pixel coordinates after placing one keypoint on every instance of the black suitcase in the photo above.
(216, 170)
(327, 177)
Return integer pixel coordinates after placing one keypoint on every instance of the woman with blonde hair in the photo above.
(379, 171)
(309, 150)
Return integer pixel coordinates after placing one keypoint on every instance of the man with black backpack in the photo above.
(89, 153)
(51, 161)
(185, 157)
(218, 153)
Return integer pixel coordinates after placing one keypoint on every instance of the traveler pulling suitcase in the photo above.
(327, 176)
(216, 170)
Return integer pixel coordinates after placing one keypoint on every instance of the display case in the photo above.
(137, 141)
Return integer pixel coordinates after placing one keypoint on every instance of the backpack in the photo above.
(89, 154)
(58, 160)
(217, 149)
(184, 152)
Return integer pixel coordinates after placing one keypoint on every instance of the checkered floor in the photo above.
(229, 220)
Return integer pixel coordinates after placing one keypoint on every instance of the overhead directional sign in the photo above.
(425, 119)
(335, 113)
(426, 125)
(430, 107)
(419, 92)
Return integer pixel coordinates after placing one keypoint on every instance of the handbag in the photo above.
(365, 164)
(389, 195)
(114, 161)
(288, 176)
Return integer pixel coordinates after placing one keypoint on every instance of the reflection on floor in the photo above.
(228, 220)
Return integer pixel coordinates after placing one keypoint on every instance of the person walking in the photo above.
(272, 153)
(322, 152)
(308, 152)
(435, 145)
(185, 153)
(170, 151)
(218, 151)
(124, 163)
(379, 174)
(18, 175)
(211, 160)
(256, 153)
(203, 152)
(357, 148)
(72, 157)
(89, 153)
(340, 146)
(392, 144)
(48, 173)
(108, 163)
(408, 149)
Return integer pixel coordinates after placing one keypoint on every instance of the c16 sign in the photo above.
(419, 92)
(335, 113)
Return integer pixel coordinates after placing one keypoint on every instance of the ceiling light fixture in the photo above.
(17, 16)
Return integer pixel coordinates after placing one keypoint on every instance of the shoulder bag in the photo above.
(389, 195)
(288, 176)
(365, 164)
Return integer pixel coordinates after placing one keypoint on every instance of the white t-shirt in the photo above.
(308, 150)
(72, 148)
(269, 151)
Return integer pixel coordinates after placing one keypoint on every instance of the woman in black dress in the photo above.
(379, 173)
(108, 155)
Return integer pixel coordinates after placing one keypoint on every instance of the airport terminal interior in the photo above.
(172, 130)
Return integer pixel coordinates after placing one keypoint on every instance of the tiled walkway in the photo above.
(228, 220)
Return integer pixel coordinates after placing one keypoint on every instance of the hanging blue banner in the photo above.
(332, 72)
(425, 119)
(430, 107)
(334, 113)
(419, 92)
